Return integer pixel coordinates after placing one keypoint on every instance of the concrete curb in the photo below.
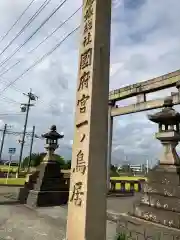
(10, 185)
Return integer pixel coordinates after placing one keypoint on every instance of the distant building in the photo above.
(6, 162)
(136, 168)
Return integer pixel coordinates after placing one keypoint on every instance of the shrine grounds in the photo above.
(20, 222)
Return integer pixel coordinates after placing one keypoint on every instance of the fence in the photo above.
(125, 186)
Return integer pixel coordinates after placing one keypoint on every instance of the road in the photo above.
(17, 222)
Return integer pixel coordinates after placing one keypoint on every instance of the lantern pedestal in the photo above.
(50, 189)
(47, 186)
(161, 197)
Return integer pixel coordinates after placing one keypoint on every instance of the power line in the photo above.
(38, 61)
(55, 30)
(27, 134)
(9, 102)
(27, 24)
(10, 114)
(19, 18)
(15, 88)
(47, 37)
(33, 34)
(14, 132)
(12, 66)
(10, 99)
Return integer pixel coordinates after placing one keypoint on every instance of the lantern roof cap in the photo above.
(53, 134)
(167, 115)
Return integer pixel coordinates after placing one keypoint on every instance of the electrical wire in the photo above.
(19, 18)
(39, 45)
(10, 114)
(9, 102)
(6, 81)
(12, 66)
(28, 134)
(46, 38)
(46, 2)
(12, 101)
(9, 99)
(38, 61)
(54, 31)
(33, 34)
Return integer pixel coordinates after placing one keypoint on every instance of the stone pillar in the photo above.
(110, 135)
(87, 200)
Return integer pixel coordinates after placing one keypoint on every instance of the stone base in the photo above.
(46, 187)
(139, 229)
(45, 199)
(160, 202)
(24, 191)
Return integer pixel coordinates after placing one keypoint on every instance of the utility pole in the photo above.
(2, 142)
(25, 107)
(109, 147)
(147, 166)
(30, 152)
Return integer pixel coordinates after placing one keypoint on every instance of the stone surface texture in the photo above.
(139, 229)
(160, 202)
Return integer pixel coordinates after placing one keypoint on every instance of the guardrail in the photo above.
(126, 186)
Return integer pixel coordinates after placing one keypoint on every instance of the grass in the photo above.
(121, 236)
(12, 181)
(5, 169)
(126, 178)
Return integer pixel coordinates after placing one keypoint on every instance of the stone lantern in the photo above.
(160, 202)
(51, 142)
(169, 134)
(49, 187)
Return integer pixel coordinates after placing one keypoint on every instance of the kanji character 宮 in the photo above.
(82, 103)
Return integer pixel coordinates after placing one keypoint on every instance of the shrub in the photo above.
(121, 236)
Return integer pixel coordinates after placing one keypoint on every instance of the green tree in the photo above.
(37, 158)
(113, 171)
(126, 168)
(67, 165)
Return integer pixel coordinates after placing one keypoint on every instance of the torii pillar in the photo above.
(88, 188)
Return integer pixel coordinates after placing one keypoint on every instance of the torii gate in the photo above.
(139, 90)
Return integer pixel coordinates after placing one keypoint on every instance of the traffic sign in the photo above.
(12, 150)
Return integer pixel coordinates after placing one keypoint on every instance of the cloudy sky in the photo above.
(144, 44)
